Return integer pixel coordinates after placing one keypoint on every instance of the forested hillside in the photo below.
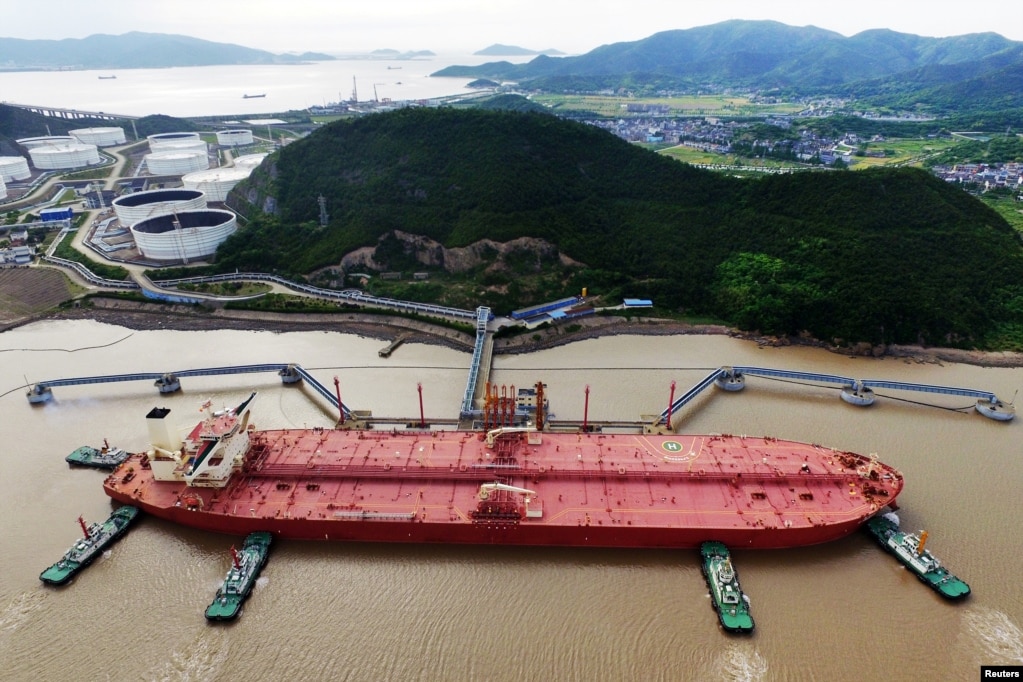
(893, 255)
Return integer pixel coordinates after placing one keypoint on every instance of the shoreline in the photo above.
(148, 316)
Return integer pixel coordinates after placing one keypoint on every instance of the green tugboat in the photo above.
(908, 548)
(97, 537)
(98, 458)
(729, 601)
(245, 567)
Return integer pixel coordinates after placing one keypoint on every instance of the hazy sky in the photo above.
(573, 26)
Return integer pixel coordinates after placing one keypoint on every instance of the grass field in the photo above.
(702, 158)
(903, 152)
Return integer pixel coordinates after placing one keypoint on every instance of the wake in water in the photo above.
(741, 662)
(198, 661)
(20, 609)
(1000, 638)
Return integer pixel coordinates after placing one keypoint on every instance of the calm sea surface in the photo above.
(842, 611)
(220, 90)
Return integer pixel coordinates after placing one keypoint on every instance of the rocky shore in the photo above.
(145, 316)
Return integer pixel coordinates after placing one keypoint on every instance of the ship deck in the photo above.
(657, 490)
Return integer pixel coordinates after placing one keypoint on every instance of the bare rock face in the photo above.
(430, 253)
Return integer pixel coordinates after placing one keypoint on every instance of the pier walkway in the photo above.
(168, 382)
(479, 368)
(854, 391)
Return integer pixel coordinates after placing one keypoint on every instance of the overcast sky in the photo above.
(572, 26)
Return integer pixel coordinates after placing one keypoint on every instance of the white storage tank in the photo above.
(215, 183)
(64, 156)
(131, 208)
(183, 235)
(176, 162)
(101, 137)
(163, 138)
(235, 137)
(249, 161)
(31, 142)
(14, 168)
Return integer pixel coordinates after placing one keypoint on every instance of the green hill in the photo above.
(893, 255)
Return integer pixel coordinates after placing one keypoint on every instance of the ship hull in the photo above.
(425, 532)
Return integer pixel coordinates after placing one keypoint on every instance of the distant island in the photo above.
(396, 54)
(499, 50)
(135, 50)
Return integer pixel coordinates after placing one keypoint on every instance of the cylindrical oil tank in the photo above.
(176, 163)
(131, 208)
(215, 183)
(249, 161)
(163, 138)
(101, 137)
(64, 156)
(14, 168)
(180, 146)
(30, 142)
(234, 137)
(183, 235)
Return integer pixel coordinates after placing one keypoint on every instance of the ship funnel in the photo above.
(923, 541)
(159, 430)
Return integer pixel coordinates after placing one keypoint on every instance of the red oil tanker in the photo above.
(508, 486)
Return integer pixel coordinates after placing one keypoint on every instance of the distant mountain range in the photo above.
(768, 55)
(135, 50)
(499, 50)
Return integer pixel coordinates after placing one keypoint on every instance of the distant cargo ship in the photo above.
(509, 486)
(106, 78)
(253, 96)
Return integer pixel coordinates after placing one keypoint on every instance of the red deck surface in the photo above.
(593, 489)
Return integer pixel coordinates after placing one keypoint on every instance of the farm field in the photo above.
(28, 291)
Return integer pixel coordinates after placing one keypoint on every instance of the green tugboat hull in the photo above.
(97, 458)
(903, 546)
(727, 597)
(85, 550)
(241, 578)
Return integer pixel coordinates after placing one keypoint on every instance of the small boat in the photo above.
(97, 537)
(241, 577)
(728, 600)
(106, 78)
(908, 548)
(98, 458)
(253, 96)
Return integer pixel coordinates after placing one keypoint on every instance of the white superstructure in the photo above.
(131, 208)
(101, 137)
(183, 235)
(14, 168)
